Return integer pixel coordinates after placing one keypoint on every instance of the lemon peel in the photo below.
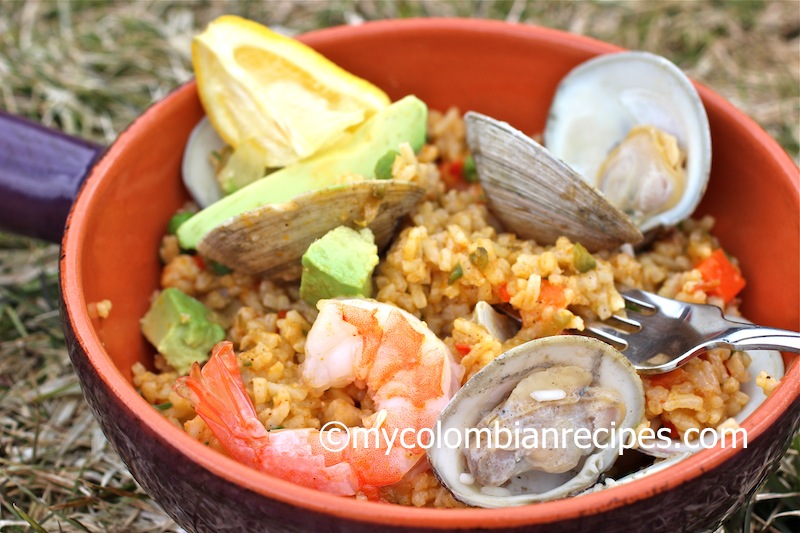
(275, 94)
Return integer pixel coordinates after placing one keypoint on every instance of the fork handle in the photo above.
(763, 338)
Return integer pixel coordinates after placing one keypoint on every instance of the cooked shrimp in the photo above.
(408, 372)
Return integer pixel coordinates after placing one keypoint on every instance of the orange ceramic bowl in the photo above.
(506, 71)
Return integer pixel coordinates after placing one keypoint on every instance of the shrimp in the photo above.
(408, 372)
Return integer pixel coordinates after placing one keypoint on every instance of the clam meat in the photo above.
(542, 421)
(633, 125)
(627, 150)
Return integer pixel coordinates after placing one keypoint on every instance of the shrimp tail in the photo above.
(218, 395)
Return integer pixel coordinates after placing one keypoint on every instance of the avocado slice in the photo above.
(340, 263)
(178, 326)
(403, 121)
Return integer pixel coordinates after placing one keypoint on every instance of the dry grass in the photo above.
(91, 67)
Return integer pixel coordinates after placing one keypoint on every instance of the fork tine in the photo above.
(628, 325)
(607, 334)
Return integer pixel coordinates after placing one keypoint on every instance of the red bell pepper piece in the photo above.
(722, 278)
(551, 294)
(463, 349)
(503, 293)
(452, 174)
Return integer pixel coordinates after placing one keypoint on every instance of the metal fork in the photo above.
(660, 334)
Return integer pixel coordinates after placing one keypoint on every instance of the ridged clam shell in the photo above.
(537, 196)
(271, 239)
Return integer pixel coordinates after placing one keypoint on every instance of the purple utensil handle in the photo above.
(41, 171)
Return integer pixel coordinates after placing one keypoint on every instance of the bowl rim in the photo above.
(349, 508)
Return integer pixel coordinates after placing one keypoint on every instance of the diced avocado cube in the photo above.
(340, 263)
(179, 327)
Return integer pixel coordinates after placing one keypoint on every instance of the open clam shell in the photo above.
(271, 239)
(498, 325)
(492, 387)
(536, 195)
(196, 169)
(660, 464)
(602, 100)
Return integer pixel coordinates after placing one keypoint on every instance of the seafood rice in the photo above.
(448, 255)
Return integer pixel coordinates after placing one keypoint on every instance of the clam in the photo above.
(536, 195)
(500, 326)
(196, 169)
(628, 151)
(661, 463)
(543, 392)
(633, 125)
(272, 238)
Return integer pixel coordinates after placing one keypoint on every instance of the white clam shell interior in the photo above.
(196, 169)
(658, 466)
(599, 101)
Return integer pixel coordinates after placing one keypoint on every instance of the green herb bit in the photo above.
(455, 274)
(470, 172)
(383, 168)
(479, 258)
(163, 406)
(275, 428)
(178, 219)
(219, 269)
(584, 262)
(248, 363)
(630, 306)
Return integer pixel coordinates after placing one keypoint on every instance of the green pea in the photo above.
(178, 219)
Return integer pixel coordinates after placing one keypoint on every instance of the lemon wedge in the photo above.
(274, 94)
